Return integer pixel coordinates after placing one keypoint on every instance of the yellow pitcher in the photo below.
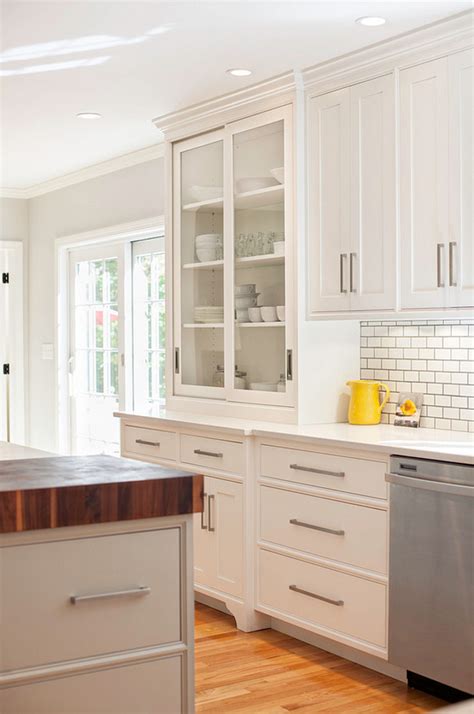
(365, 407)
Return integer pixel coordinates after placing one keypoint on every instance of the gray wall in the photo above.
(128, 195)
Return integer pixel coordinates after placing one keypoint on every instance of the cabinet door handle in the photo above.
(289, 365)
(296, 589)
(352, 257)
(203, 512)
(140, 590)
(452, 282)
(439, 251)
(310, 469)
(210, 500)
(176, 360)
(342, 258)
(296, 522)
(147, 443)
(215, 454)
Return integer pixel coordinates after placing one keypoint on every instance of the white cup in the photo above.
(281, 313)
(269, 313)
(255, 314)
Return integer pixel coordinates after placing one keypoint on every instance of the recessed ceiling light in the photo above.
(89, 115)
(371, 21)
(239, 72)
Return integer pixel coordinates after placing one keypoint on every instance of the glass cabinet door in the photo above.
(260, 233)
(198, 266)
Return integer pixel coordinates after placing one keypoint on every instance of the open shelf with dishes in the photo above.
(231, 229)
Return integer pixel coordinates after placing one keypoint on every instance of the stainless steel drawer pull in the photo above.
(147, 443)
(210, 527)
(131, 592)
(352, 257)
(296, 589)
(215, 454)
(452, 281)
(342, 258)
(311, 470)
(203, 512)
(296, 522)
(439, 280)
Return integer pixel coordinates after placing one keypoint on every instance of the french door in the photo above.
(96, 348)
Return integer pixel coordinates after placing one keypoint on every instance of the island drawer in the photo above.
(41, 623)
(352, 534)
(153, 686)
(215, 454)
(142, 441)
(339, 473)
(353, 606)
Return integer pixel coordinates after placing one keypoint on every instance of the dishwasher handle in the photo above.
(427, 485)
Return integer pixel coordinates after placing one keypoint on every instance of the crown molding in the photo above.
(422, 44)
(228, 107)
(89, 172)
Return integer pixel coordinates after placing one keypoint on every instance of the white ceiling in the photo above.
(132, 61)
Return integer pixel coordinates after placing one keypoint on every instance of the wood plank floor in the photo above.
(267, 672)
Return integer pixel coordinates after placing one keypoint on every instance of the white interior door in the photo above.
(96, 348)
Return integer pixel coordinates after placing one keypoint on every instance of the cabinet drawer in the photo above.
(140, 688)
(339, 473)
(150, 442)
(215, 454)
(361, 615)
(352, 534)
(40, 624)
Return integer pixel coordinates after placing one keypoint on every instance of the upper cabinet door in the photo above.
(328, 199)
(372, 259)
(198, 256)
(424, 189)
(461, 196)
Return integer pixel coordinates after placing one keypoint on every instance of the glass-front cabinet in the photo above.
(232, 253)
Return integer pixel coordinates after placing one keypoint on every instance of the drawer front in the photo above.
(215, 454)
(340, 473)
(362, 614)
(140, 688)
(351, 534)
(150, 442)
(40, 624)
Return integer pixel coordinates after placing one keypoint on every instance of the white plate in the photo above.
(206, 193)
(254, 183)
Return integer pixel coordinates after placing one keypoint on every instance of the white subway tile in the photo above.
(403, 364)
(389, 364)
(434, 342)
(427, 422)
(460, 330)
(381, 374)
(467, 414)
(419, 364)
(380, 352)
(388, 342)
(418, 341)
(395, 331)
(367, 331)
(442, 400)
(459, 402)
(410, 352)
(427, 376)
(459, 354)
(366, 373)
(374, 363)
(434, 411)
(410, 331)
(404, 386)
(467, 342)
(426, 353)
(451, 366)
(443, 330)
(396, 375)
(459, 378)
(411, 376)
(367, 352)
(459, 425)
(451, 342)
(451, 413)
(404, 341)
(381, 331)
(467, 366)
(429, 399)
(434, 364)
(467, 390)
(373, 341)
(426, 330)
(443, 377)
(396, 353)
(442, 353)
(451, 389)
(443, 424)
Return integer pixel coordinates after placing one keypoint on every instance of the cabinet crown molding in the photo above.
(419, 45)
(226, 108)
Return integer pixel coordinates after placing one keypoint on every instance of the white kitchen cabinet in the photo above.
(351, 197)
(436, 183)
(218, 533)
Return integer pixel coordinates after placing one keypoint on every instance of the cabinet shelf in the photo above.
(260, 324)
(207, 265)
(214, 205)
(265, 198)
(203, 325)
(252, 261)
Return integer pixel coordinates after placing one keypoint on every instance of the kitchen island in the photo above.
(95, 585)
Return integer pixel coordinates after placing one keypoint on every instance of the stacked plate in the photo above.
(209, 313)
(208, 247)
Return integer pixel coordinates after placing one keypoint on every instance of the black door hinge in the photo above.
(6, 369)
(5, 278)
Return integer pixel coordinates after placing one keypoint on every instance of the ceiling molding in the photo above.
(89, 172)
(201, 115)
(442, 37)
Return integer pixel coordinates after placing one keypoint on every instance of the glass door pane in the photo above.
(259, 260)
(201, 263)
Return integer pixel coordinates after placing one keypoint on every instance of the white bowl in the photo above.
(254, 183)
(263, 386)
(242, 301)
(207, 238)
(206, 255)
(242, 314)
(279, 247)
(281, 313)
(248, 289)
(269, 313)
(278, 174)
(255, 314)
(206, 193)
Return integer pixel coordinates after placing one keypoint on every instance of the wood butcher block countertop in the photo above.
(58, 491)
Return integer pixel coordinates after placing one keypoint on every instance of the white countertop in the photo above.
(9, 452)
(383, 438)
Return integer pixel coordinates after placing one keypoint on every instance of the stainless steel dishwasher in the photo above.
(431, 585)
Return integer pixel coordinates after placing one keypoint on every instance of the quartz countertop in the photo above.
(58, 491)
(381, 438)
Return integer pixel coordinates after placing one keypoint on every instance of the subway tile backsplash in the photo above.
(435, 357)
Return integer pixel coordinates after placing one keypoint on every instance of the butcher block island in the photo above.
(95, 585)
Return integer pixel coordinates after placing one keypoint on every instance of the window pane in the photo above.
(98, 277)
(99, 372)
(114, 373)
(111, 269)
(113, 327)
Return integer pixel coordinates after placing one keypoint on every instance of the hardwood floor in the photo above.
(267, 672)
